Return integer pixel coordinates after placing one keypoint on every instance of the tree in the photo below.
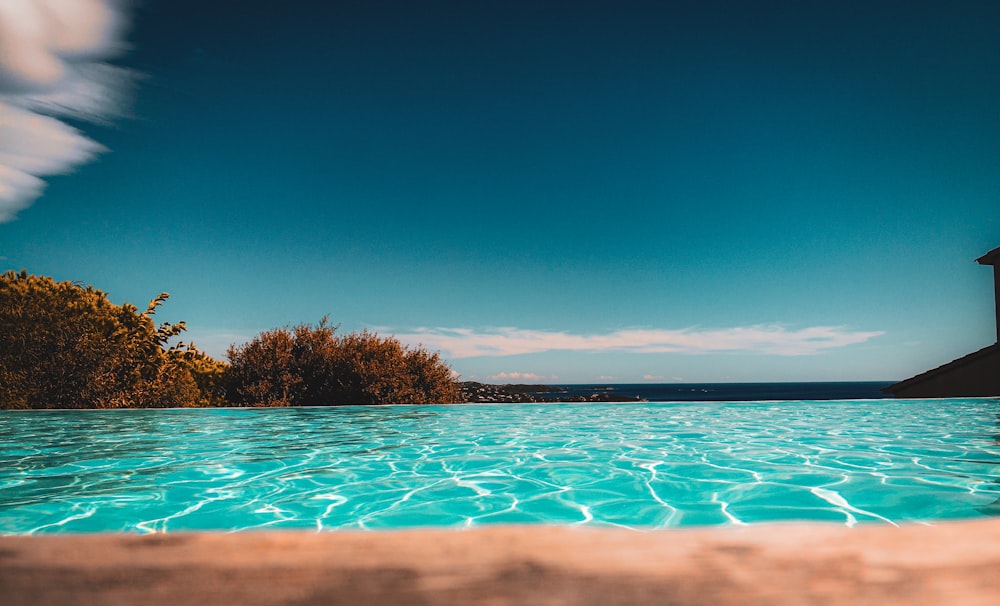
(63, 345)
(312, 366)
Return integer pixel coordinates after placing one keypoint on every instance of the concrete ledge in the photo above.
(953, 563)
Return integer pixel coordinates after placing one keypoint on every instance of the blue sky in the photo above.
(542, 191)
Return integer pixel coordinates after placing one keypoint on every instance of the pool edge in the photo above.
(953, 562)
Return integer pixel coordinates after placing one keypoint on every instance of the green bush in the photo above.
(66, 346)
(312, 366)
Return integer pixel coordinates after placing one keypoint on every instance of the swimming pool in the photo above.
(648, 465)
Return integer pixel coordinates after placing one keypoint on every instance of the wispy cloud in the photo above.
(521, 376)
(457, 343)
(52, 66)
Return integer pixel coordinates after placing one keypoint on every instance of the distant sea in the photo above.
(720, 392)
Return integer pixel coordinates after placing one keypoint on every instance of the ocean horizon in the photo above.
(735, 392)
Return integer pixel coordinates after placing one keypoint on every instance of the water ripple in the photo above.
(623, 465)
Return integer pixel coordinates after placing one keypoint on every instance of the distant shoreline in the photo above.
(476, 392)
(485, 393)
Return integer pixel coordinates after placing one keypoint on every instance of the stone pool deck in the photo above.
(953, 563)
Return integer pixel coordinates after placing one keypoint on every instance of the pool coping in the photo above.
(797, 563)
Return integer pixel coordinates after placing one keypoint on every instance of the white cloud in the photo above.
(520, 376)
(42, 40)
(94, 92)
(40, 145)
(458, 343)
(17, 190)
(652, 378)
(51, 67)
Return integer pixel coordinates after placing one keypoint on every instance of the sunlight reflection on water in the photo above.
(647, 465)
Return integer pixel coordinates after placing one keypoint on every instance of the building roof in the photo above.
(892, 389)
(990, 258)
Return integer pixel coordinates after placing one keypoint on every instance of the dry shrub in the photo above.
(63, 345)
(313, 366)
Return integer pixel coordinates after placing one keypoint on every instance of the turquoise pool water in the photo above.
(635, 465)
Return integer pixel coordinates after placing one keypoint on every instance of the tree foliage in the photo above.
(63, 345)
(207, 374)
(313, 366)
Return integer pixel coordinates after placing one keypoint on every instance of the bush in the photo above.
(66, 346)
(265, 371)
(312, 366)
(63, 345)
(206, 374)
